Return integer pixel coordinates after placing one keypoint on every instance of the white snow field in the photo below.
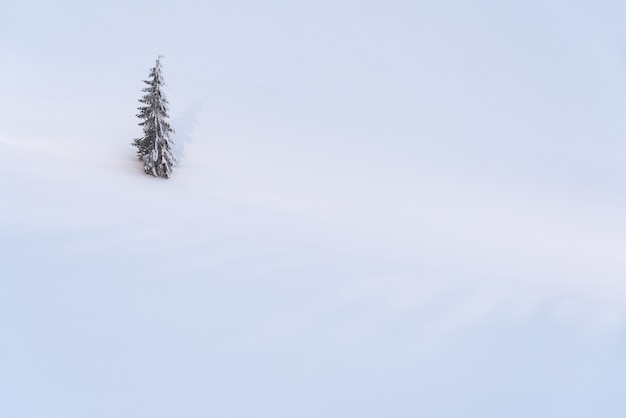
(382, 209)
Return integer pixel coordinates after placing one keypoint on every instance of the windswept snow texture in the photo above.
(383, 209)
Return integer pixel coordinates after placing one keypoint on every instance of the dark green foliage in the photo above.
(154, 148)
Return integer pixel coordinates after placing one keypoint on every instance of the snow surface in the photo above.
(381, 210)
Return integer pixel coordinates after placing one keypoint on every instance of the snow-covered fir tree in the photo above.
(155, 147)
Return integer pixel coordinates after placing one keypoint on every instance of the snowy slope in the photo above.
(394, 210)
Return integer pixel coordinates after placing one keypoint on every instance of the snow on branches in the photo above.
(155, 147)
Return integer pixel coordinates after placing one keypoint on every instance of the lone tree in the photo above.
(154, 148)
